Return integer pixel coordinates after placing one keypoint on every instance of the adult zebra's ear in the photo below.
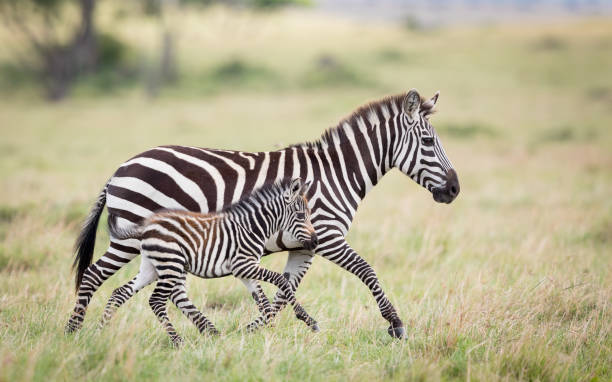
(294, 190)
(428, 106)
(412, 103)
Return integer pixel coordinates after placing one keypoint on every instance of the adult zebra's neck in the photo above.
(359, 151)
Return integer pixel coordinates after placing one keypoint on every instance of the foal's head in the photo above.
(297, 214)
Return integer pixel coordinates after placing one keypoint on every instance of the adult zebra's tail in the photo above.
(84, 246)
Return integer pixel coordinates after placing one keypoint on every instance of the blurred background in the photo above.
(513, 280)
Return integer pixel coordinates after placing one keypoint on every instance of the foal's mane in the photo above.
(264, 191)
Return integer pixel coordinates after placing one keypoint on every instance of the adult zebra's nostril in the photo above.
(453, 191)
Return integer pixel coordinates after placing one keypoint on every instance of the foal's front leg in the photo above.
(255, 272)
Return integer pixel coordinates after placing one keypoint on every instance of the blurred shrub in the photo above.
(230, 74)
(328, 71)
(276, 3)
(600, 93)
(7, 214)
(468, 130)
(14, 76)
(238, 71)
(559, 134)
(390, 55)
(115, 70)
(564, 133)
(111, 51)
(412, 23)
(549, 43)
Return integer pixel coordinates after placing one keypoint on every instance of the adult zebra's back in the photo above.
(343, 164)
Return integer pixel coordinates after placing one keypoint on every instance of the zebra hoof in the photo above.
(214, 332)
(71, 328)
(315, 328)
(398, 332)
(177, 342)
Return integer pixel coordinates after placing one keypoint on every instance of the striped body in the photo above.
(343, 165)
(204, 244)
(215, 245)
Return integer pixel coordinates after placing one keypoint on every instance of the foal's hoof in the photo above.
(315, 328)
(177, 342)
(213, 332)
(398, 332)
(71, 328)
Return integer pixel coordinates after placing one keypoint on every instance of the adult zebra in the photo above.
(343, 165)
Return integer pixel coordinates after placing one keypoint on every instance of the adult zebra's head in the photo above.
(419, 153)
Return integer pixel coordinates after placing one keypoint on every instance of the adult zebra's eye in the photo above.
(427, 141)
(300, 215)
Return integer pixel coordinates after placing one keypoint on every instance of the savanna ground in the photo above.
(513, 281)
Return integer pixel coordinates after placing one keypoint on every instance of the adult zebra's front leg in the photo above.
(340, 253)
(297, 265)
(117, 255)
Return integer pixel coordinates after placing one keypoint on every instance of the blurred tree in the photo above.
(59, 60)
(61, 44)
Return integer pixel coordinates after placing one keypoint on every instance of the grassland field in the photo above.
(512, 281)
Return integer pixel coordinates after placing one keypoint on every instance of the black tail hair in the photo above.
(84, 246)
(122, 233)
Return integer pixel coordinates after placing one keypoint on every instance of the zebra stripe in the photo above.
(343, 164)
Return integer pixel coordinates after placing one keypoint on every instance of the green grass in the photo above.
(510, 282)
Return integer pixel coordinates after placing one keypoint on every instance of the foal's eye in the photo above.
(427, 141)
(300, 215)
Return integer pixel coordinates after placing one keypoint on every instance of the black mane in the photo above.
(361, 113)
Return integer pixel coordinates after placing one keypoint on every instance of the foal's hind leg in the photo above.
(263, 304)
(158, 302)
(120, 295)
(255, 272)
(181, 300)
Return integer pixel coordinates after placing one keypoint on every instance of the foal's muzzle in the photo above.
(449, 191)
(312, 243)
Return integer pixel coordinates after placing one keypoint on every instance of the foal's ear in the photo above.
(412, 103)
(294, 190)
(306, 186)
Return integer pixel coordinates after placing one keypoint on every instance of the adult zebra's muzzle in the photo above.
(449, 191)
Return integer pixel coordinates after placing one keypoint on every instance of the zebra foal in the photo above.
(216, 245)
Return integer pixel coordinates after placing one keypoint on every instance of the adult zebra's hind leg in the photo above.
(96, 274)
(298, 263)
